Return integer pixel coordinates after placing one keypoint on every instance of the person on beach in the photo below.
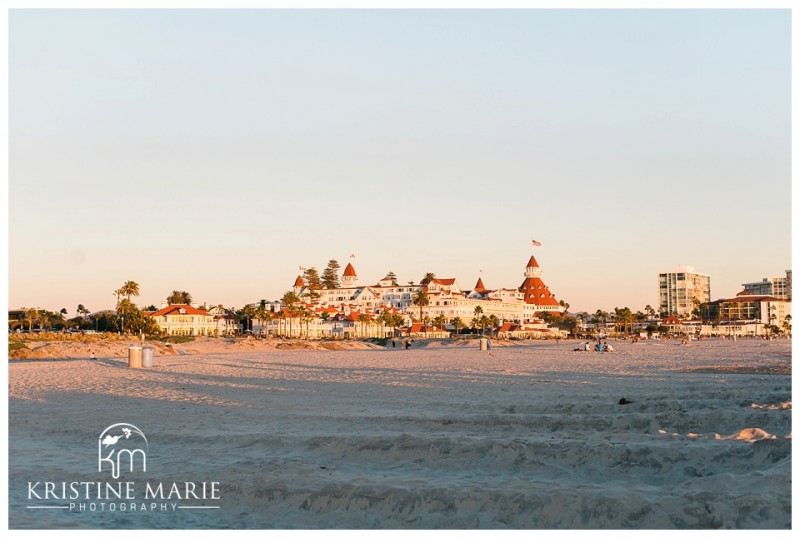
(599, 346)
(587, 346)
(607, 347)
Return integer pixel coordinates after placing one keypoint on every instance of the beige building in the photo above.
(680, 290)
(184, 320)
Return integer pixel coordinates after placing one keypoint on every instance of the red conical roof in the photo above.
(535, 292)
(479, 287)
(299, 282)
(532, 262)
(349, 271)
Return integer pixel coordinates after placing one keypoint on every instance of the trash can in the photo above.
(134, 357)
(484, 344)
(147, 357)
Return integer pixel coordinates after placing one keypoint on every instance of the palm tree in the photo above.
(263, 315)
(457, 323)
(179, 297)
(421, 299)
(483, 321)
(787, 324)
(427, 279)
(290, 299)
(305, 317)
(439, 321)
(363, 318)
(493, 323)
(129, 288)
(31, 315)
(600, 317)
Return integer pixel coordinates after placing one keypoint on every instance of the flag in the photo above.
(352, 255)
(535, 243)
(302, 268)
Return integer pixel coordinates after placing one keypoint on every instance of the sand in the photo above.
(528, 436)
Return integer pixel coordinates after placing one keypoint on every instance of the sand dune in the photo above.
(533, 436)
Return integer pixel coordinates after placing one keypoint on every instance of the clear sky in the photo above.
(216, 151)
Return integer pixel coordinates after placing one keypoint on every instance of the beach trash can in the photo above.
(134, 357)
(147, 357)
(484, 344)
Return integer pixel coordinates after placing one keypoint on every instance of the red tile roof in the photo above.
(444, 281)
(298, 283)
(349, 270)
(479, 287)
(175, 310)
(537, 293)
(532, 262)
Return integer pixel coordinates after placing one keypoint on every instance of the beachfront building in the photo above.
(762, 309)
(679, 291)
(184, 320)
(224, 321)
(779, 286)
(444, 297)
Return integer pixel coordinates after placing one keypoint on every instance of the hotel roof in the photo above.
(175, 310)
(349, 270)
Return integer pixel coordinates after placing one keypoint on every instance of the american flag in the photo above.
(302, 268)
(352, 255)
(535, 243)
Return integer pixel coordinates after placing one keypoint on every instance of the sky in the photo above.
(216, 151)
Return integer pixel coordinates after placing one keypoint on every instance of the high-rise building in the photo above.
(678, 289)
(779, 287)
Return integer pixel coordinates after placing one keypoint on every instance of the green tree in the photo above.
(129, 289)
(427, 279)
(493, 323)
(179, 297)
(330, 275)
(421, 299)
(263, 315)
(600, 318)
(289, 301)
(650, 311)
(457, 324)
(477, 314)
(363, 319)
(440, 321)
(313, 283)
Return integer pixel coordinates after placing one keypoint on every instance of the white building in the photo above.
(445, 297)
(779, 287)
(677, 290)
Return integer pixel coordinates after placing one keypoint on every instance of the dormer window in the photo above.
(182, 310)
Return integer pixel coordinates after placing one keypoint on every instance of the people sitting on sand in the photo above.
(585, 347)
(607, 347)
(599, 346)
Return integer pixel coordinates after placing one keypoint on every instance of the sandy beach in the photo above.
(528, 436)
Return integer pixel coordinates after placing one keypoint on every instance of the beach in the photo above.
(529, 435)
